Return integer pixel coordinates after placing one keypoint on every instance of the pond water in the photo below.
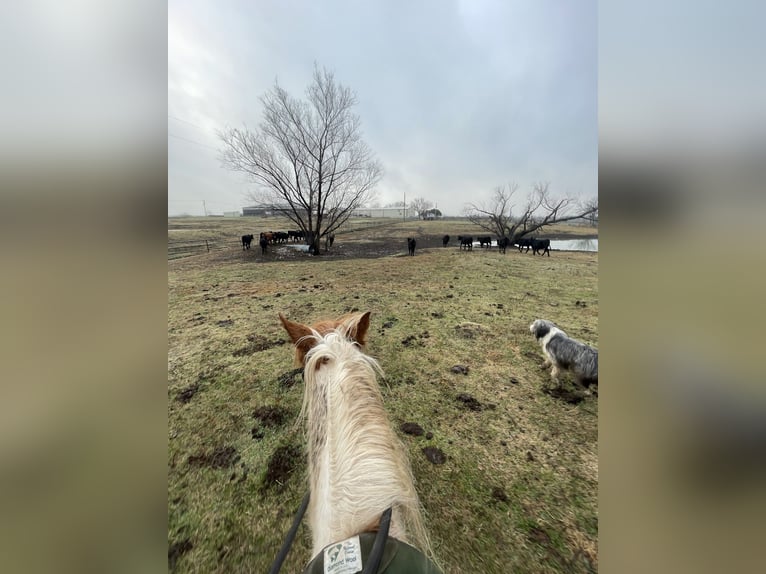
(563, 244)
(297, 246)
(575, 244)
(556, 244)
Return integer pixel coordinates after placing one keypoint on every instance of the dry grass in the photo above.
(518, 491)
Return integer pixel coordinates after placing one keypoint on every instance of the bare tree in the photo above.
(540, 210)
(421, 205)
(307, 157)
(592, 216)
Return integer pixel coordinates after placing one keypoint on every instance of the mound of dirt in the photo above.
(472, 404)
(499, 494)
(256, 345)
(221, 457)
(176, 550)
(290, 378)
(188, 393)
(539, 535)
(271, 416)
(470, 330)
(281, 465)
(435, 455)
(413, 429)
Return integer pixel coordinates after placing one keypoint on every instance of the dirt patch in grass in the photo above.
(499, 494)
(176, 550)
(435, 455)
(281, 465)
(256, 345)
(188, 393)
(537, 534)
(470, 330)
(290, 378)
(416, 340)
(413, 429)
(571, 396)
(472, 404)
(221, 457)
(388, 324)
(271, 416)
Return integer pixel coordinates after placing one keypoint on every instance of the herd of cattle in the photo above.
(541, 246)
(267, 238)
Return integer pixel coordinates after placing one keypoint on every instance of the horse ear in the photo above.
(301, 336)
(358, 329)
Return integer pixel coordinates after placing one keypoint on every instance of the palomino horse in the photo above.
(359, 473)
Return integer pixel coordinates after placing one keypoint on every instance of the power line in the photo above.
(191, 141)
(187, 122)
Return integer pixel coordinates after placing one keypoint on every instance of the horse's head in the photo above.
(354, 326)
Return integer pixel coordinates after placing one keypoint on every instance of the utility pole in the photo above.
(404, 210)
(204, 208)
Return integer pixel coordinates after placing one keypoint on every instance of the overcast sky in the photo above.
(455, 97)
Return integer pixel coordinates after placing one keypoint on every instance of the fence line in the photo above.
(186, 248)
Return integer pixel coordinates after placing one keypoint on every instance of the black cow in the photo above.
(329, 240)
(502, 243)
(411, 246)
(543, 245)
(281, 237)
(524, 242)
(486, 240)
(246, 240)
(264, 243)
(466, 242)
(445, 240)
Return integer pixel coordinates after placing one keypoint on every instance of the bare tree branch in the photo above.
(307, 156)
(494, 216)
(421, 205)
(541, 209)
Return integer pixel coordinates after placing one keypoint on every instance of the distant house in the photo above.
(232, 214)
(431, 214)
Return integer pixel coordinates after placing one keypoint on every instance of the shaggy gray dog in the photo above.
(565, 353)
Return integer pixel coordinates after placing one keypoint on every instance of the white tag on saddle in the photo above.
(343, 557)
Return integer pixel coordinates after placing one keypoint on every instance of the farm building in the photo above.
(393, 212)
(263, 210)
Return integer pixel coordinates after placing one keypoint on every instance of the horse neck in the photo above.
(357, 467)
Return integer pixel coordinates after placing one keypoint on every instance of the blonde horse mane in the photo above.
(358, 467)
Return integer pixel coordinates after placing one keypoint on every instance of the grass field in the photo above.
(518, 490)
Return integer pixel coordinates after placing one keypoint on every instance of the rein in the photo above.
(290, 536)
(374, 558)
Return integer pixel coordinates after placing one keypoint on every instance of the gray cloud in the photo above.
(455, 98)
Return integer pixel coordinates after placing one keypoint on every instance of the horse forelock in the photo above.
(335, 352)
